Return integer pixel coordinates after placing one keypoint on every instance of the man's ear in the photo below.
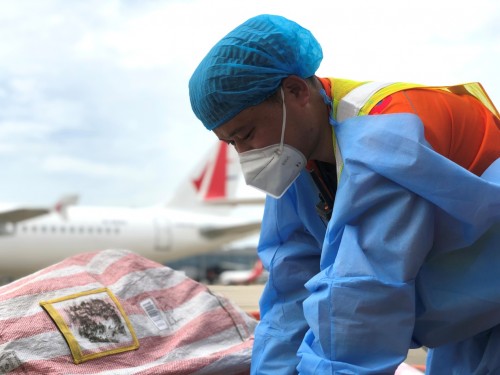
(297, 88)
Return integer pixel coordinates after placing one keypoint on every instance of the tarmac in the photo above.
(247, 298)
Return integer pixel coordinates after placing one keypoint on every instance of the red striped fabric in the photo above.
(201, 333)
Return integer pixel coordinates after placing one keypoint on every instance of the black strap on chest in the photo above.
(324, 176)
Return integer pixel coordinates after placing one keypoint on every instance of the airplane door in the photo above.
(162, 234)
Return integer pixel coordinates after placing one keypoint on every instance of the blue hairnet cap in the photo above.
(247, 66)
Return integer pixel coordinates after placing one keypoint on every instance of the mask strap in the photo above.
(284, 121)
(328, 102)
(326, 98)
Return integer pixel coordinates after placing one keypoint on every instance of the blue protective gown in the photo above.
(410, 257)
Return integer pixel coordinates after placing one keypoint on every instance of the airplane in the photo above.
(200, 217)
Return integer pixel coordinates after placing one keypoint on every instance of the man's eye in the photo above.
(247, 135)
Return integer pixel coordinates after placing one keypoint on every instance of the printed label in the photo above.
(93, 324)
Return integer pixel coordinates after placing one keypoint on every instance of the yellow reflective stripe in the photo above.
(384, 92)
(340, 88)
(476, 90)
(349, 106)
(339, 163)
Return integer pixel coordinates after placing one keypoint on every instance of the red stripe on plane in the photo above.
(197, 181)
(217, 187)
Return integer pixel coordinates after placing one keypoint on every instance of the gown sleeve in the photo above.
(290, 248)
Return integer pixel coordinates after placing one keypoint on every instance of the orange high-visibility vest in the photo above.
(460, 122)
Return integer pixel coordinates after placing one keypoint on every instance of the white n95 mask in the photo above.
(274, 168)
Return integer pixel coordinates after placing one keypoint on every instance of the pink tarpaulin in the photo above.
(114, 312)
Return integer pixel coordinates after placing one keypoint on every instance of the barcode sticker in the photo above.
(154, 314)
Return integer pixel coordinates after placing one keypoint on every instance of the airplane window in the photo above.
(63, 229)
(108, 230)
(54, 229)
(82, 229)
(91, 230)
(43, 229)
(33, 229)
(8, 228)
(71, 229)
(98, 230)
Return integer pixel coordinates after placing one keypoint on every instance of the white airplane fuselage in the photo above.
(159, 233)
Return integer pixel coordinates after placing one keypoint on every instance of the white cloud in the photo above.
(94, 93)
(82, 168)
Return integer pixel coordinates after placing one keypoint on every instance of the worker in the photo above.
(381, 228)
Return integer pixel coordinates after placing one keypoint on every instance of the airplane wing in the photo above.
(15, 215)
(214, 232)
(20, 214)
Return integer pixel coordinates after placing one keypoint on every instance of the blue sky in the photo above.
(93, 93)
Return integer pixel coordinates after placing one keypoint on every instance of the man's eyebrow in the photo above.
(233, 133)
